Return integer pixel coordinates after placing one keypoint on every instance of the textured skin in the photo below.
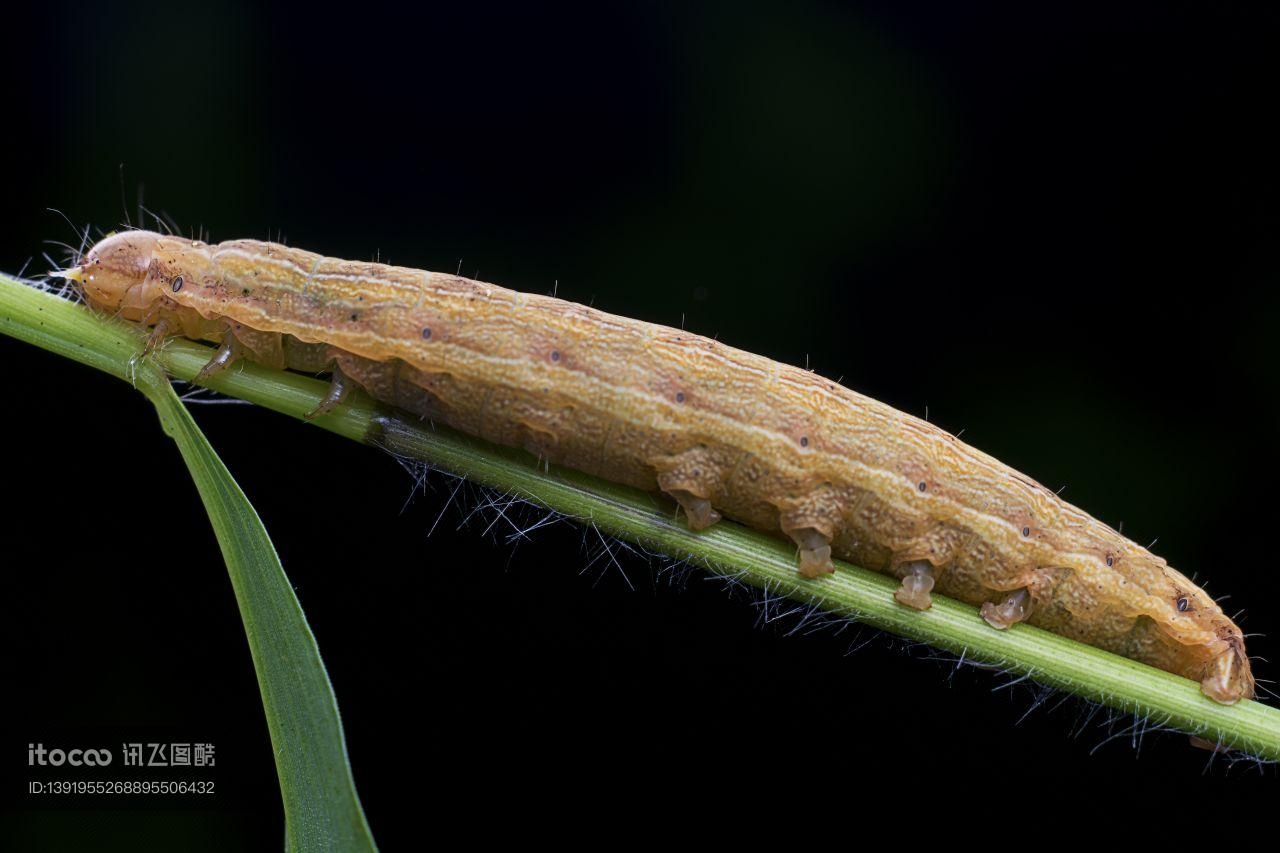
(721, 430)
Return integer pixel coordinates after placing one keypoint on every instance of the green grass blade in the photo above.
(749, 556)
(321, 807)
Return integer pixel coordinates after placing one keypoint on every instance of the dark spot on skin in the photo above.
(804, 441)
(679, 396)
(697, 472)
(555, 355)
(245, 292)
(426, 334)
(923, 485)
(177, 284)
(355, 317)
(1026, 531)
(1111, 561)
(1183, 605)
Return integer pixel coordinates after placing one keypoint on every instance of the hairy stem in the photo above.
(726, 549)
(321, 807)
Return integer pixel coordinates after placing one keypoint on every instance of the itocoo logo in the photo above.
(37, 754)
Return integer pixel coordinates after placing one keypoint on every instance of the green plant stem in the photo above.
(727, 549)
(322, 810)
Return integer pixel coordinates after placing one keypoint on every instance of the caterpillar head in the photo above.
(113, 275)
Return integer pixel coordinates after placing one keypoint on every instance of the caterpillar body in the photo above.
(721, 431)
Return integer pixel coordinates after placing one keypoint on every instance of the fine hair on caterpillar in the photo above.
(721, 432)
(510, 521)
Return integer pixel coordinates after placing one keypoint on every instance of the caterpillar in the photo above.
(722, 432)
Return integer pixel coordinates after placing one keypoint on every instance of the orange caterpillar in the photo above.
(721, 431)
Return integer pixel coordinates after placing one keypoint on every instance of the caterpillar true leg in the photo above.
(159, 332)
(338, 390)
(916, 585)
(1014, 608)
(227, 353)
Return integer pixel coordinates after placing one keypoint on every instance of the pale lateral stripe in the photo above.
(518, 374)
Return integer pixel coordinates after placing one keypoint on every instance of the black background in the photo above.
(1054, 228)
